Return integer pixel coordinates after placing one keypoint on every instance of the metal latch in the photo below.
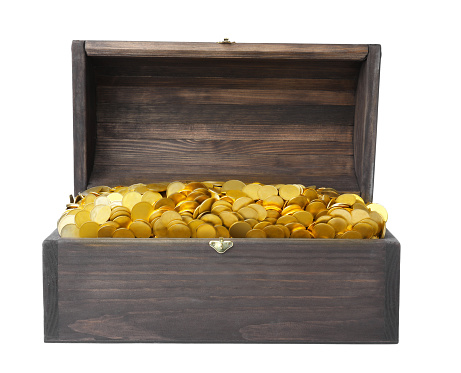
(226, 41)
(221, 246)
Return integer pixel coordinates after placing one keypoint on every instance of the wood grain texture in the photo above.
(215, 50)
(180, 290)
(366, 122)
(84, 116)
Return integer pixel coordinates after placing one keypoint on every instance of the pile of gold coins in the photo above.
(220, 209)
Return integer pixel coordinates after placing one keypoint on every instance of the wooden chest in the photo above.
(274, 113)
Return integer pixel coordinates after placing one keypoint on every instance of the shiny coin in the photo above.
(358, 215)
(179, 231)
(130, 199)
(169, 216)
(251, 190)
(164, 202)
(295, 226)
(123, 221)
(286, 219)
(174, 187)
(354, 235)
(211, 219)
(248, 213)
(315, 207)
(123, 233)
(304, 217)
(256, 233)
(252, 222)
(274, 201)
(222, 231)
(339, 224)
(291, 209)
(142, 210)
(70, 231)
(346, 215)
(301, 233)
(289, 191)
(262, 213)
(235, 194)
(157, 187)
(301, 201)
(273, 231)
(365, 229)
(323, 230)
(206, 231)
(239, 229)
(106, 231)
(228, 218)
(285, 230)
(232, 185)
(160, 230)
(82, 217)
(267, 191)
(89, 230)
(115, 197)
(100, 214)
(262, 225)
(141, 229)
(310, 194)
(151, 197)
(102, 200)
(379, 209)
(348, 199)
(241, 202)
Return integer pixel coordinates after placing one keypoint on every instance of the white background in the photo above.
(417, 168)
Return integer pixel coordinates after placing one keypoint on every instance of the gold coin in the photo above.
(82, 217)
(274, 201)
(248, 213)
(273, 214)
(151, 197)
(142, 210)
(90, 198)
(228, 218)
(70, 231)
(100, 214)
(301, 201)
(291, 209)
(177, 197)
(232, 185)
(140, 188)
(239, 229)
(118, 213)
(348, 199)
(241, 202)
(169, 216)
(315, 207)
(289, 191)
(252, 222)
(89, 207)
(286, 219)
(123, 221)
(222, 202)
(212, 219)
(273, 231)
(339, 224)
(295, 226)
(186, 206)
(323, 219)
(220, 208)
(346, 215)
(285, 230)
(194, 185)
(267, 191)
(130, 199)
(102, 200)
(106, 231)
(358, 215)
(262, 225)
(206, 231)
(323, 230)
(157, 187)
(304, 217)
(222, 231)
(310, 194)
(301, 233)
(123, 233)
(354, 235)
(256, 233)
(89, 230)
(379, 209)
(365, 229)
(164, 202)
(179, 231)
(205, 206)
(262, 213)
(235, 194)
(115, 197)
(141, 229)
(251, 190)
(160, 229)
(375, 226)
(174, 188)
(376, 216)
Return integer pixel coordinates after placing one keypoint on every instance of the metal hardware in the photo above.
(221, 246)
(226, 41)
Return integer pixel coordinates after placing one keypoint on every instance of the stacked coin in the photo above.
(220, 209)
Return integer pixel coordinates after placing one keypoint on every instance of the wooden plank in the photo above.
(353, 52)
(184, 96)
(392, 281)
(157, 290)
(134, 115)
(227, 83)
(366, 121)
(50, 287)
(84, 116)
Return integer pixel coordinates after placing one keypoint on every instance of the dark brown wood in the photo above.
(237, 50)
(366, 121)
(180, 290)
(84, 116)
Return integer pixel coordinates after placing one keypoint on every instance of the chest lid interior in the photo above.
(273, 113)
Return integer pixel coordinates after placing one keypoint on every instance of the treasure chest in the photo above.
(149, 112)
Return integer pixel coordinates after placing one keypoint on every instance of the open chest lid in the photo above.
(273, 113)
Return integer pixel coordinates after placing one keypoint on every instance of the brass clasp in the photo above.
(221, 246)
(226, 41)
